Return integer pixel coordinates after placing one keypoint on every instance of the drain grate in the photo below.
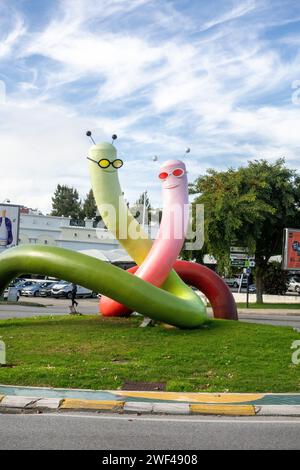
(144, 386)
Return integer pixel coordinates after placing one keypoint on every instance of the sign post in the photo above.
(248, 277)
(247, 272)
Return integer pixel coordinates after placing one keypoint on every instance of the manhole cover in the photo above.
(144, 386)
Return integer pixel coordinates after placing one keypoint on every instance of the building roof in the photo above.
(110, 256)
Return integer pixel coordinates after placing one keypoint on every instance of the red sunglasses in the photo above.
(178, 172)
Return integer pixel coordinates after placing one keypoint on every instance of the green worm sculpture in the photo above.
(102, 277)
(175, 303)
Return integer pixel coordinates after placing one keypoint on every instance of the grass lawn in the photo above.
(96, 353)
(270, 306)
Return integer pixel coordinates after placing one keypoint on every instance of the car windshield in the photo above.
(19, 284)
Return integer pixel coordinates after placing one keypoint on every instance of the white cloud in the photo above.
(41, 145)
(162, 80)
(9, 40)
(236, 12)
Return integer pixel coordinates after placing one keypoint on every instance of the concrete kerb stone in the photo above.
(277, 410)
(12, 401)
(19, 404)
(46, 404)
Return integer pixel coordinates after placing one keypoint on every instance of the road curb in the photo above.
(90, 405)
(225, 410)
(22, 404)
(277, 410)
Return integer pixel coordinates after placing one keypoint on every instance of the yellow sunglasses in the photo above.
(105, 163)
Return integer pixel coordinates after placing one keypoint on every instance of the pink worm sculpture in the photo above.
(166, 248)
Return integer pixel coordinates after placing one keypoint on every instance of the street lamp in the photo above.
(144, 208)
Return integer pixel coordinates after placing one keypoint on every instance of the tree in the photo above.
(89, 207)
(275, 279)
(138, 208)
(250, 206)
(192, 255)
(66, 202)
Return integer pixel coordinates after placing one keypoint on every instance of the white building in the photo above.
(38, 229)
(61, 231)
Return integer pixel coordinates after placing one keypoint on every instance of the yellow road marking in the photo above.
(70, 403)
(194, 397)
(230, 410)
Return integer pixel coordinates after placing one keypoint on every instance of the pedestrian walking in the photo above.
(73, 298)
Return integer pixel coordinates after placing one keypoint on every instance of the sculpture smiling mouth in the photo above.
(171, 187)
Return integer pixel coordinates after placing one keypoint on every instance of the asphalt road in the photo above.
(90, 306)
(51, 307)
(92, 431)
(272, 319)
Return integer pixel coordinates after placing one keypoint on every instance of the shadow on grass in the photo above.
(212, 325)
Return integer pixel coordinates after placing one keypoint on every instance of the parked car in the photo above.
(201, 295)
(235, 281)
(64, 289)
(46, 291)
(34, 290)
(16, 281)
(294, 285)
(21, 285)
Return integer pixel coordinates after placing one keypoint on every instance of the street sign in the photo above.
(247, 271)
(242, 262)
(238, 249)
(238, 263)
(238, 256)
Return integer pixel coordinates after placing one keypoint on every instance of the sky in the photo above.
(219, 76)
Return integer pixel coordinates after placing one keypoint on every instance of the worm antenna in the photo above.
(114, 137)
(89, 134)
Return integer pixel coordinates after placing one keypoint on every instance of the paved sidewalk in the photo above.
(30, 399)
(269, 311)
(91, 308)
